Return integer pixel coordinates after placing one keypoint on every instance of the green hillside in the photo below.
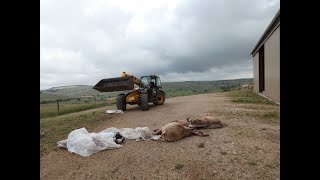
(171, 89)
(75, 91)
(199, 87)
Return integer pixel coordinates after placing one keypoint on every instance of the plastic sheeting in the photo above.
(81, 142)
(114, 112)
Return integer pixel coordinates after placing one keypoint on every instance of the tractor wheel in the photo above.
(160, 98)
(121, 102)
(144, 102)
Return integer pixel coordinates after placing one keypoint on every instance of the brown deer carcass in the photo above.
(207, 122)
(174, 131)
(183, 122)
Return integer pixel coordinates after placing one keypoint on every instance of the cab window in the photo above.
(158, 82)
(144, 81)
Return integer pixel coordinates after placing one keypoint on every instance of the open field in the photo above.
(66, 107)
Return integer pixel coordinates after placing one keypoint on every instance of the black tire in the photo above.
(144, 102)
(160, 98)
(121, 102)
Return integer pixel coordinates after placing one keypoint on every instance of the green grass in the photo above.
(251, 106)
(266, 115)
(273, 114)
(246, 96)
(58, 128)
(174, 92)
(50, 110)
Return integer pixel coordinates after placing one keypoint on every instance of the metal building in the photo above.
(266, 61)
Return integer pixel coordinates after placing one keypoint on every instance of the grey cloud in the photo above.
(194, 38)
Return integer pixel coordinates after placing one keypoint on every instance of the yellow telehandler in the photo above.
(149, 90)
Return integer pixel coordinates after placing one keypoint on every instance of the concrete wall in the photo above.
(256, 72)
(272, 65)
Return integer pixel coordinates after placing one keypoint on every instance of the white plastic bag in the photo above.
(155, 137)
(81, 142)
(137, 133)
(114, 112)
(111, 129)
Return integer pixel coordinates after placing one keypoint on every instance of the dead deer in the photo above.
(174, 131)
(184, 122)
(208, 122)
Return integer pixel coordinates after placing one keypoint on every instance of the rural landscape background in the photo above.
(82, 97)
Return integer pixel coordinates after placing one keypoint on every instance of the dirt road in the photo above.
(248, 148)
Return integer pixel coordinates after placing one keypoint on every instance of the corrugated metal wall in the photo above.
(272, 65)
(256, 72)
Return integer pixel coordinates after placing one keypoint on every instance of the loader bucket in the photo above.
(114, 84)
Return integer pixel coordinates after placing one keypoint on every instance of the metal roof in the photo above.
(267, 31)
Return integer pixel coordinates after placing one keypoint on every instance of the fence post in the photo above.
(58, 105)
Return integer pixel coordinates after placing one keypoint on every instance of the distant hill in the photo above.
(170, 88)
(204, 84)
(71, 91)
(199, 87)
(74, 91)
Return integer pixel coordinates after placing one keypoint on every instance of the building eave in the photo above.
(275, 21)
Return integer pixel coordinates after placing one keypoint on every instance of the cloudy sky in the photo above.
(83, 41)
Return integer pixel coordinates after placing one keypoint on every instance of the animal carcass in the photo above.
(208, 122)
(174, 131)
(184, 122)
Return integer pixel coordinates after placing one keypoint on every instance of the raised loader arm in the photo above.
(125, 82)
(135, 80)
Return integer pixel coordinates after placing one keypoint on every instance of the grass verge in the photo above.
(55, 129)
(246, 96)
(51, 110)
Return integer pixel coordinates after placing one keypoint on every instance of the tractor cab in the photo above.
(151, 82)
(152, 85)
